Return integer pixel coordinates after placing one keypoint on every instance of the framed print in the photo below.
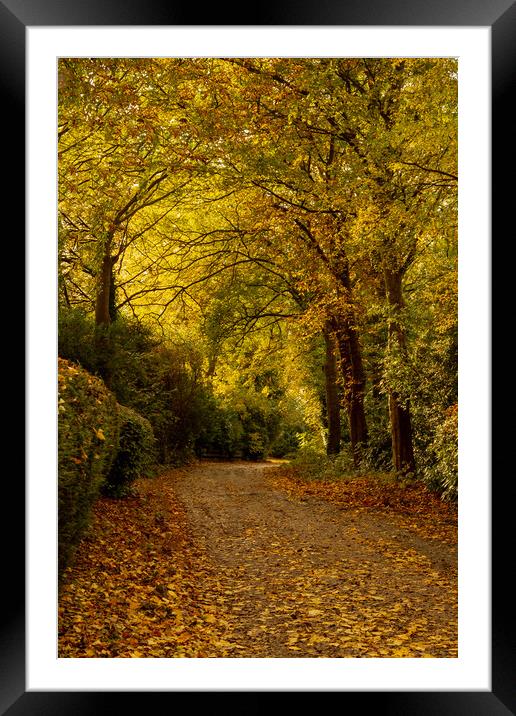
(479, 680)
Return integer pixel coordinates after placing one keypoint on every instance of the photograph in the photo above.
(257, 340)
(258, 356)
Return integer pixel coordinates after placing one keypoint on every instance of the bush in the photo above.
(288, 442)
(135, 456)
(75, 331)
(221, 432)
(255, 446)
(260, 426)
(244, 425)
(88, 442)
(173, 397)
(313, 463)
(120, 355)
(441, 470)
(158, 381)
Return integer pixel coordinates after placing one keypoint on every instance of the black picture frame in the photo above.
(500, 16)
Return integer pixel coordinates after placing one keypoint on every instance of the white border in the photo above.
(471, 671)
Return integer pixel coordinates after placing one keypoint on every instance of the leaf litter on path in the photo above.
(238, 560)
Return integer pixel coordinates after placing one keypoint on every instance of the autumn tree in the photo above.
(392, 126)
(124, 164)
(232, 200)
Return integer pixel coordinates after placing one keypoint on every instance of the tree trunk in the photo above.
(352, 367)
(354, 386)
(103, 315)
(399, 411)
(103, 298)
(401, 435)
(113, 310)
(332, 392)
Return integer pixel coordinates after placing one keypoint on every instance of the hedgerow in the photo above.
(441, 471)
(88, 433)
(136, 453)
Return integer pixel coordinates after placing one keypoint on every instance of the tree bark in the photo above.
(103, 297)
(354, 386)
(103, 314)
(401, 435)
(352, 367)
(399, 411)
(332, 392)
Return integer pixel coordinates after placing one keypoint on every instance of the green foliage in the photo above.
(255, 445)
(441, 469)
(377, 454)
(162, 382)
(259, 423)
(221, 432)
(88, 434)
(175, 400)
(288, 441)
(240, 230)
(75, 331)
(245, 428)
(252, 418)
(312, 463)
(136, 453)
(120, 351)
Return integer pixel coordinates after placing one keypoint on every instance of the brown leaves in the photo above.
(413, 506)
(298, 581)
(131, 592)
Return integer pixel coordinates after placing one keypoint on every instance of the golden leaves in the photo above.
(125, 596)
(141, 588)
(314, 612)
(413, 506)
(183, 637)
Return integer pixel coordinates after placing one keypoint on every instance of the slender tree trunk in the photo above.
(354, 386)
(103, 297)
(401, 435)
(103, 305)
(332, 392)
(353, 379)
(352, 367)
(65, 293)
(113, 310)
(399, 411)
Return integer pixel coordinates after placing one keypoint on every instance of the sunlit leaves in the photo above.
(244, 202)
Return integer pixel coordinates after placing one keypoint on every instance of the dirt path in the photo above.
(290, 577)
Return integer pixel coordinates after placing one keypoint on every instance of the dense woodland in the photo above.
(257, 258)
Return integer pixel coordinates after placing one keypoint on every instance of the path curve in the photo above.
(290, 577)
